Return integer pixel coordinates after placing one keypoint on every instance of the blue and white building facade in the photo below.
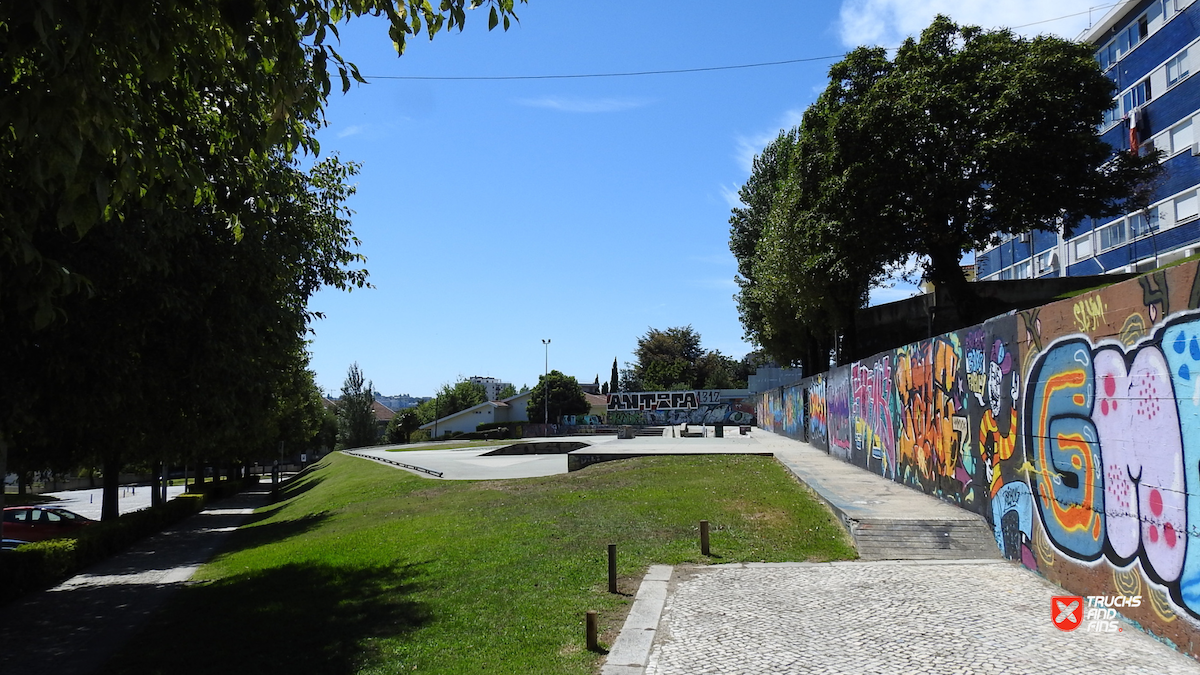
(1151, 50)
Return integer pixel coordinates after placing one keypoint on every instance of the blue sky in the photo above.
(496, 214)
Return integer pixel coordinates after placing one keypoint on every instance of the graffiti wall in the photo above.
(679, 407)
(1072, 428)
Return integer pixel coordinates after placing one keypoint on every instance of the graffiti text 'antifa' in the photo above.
(1073, 428)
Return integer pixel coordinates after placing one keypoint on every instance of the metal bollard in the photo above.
(612, 568)
(704, 537)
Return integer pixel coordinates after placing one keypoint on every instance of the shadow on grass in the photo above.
(300, 483)
(298, 618)
(252, 535)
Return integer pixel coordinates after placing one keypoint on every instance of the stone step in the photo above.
(922, 540)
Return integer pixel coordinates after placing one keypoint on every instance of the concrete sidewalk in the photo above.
(955, 608)
(75, 627)
(887, 520)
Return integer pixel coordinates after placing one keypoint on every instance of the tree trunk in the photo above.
(156, 484)
(3, 474)
(947, 275)
(112, 484)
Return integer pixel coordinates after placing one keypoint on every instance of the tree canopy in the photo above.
(966, 135)
(556, 395)
(356, 412)
(673, 359)
(158, 242)
(452, 398)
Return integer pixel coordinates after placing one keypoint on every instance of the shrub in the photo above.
(44, 563)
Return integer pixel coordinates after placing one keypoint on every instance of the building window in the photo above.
(1125, 41)
(1083, 248)
(1021, 270)
(1186, 206)
(1181, 137)
(1044, 261)
(1177, 68)
(1141, 225)
(1112, 236)
(1137, 96)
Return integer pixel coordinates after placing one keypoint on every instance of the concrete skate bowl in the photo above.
(537, 448)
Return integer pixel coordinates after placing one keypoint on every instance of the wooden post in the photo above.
(704, 537)
(612, 568)
(592, 645)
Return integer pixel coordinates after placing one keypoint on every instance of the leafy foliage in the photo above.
(556, 395)
(115, 108)
(452, 398)
(356, 412)
(673, 359)
(966, 135)
(402, 425)
(158, 243)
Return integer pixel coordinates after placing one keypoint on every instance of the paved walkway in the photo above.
(889, 616)
(75, 627)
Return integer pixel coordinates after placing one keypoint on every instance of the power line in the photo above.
(639, 73)
(591, 75)
(1088, 11)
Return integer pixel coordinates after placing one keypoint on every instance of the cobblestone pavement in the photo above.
(883, 617)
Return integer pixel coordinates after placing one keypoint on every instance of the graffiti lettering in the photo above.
(840, 426)
(873, 428)
(1089, 313)
(653, 400)
(929, 447)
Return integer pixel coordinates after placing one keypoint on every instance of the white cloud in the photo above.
(730, 195)
(746, 147)
(350, 131)
(582, 105)
(888, 22)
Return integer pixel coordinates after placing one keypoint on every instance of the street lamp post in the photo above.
(546, 383)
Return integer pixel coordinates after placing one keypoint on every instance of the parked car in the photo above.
(35, 523)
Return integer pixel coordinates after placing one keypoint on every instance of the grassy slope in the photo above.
(366, 569)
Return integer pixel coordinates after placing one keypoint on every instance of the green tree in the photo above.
(201, 351)
(170, 125)
(556, 395)
(506, 392)
(356, 412)
(118, 107)
(452, 398)
(402, 425)
(613, 380)
(966, 135)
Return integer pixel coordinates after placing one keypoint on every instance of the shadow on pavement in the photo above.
(299, 618)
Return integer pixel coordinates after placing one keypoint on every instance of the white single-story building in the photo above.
(511, 409)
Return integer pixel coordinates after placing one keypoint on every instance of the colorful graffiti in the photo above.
(933, 428)
(871, 385)
(818, 412)
(660, 400)
(837, 397)
(1073, 428)
(1107, 441)
(731, 411)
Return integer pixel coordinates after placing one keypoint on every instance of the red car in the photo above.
(35, 523)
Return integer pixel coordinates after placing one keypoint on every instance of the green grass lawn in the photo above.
(362, 568)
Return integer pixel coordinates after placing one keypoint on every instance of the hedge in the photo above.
(43, 564)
